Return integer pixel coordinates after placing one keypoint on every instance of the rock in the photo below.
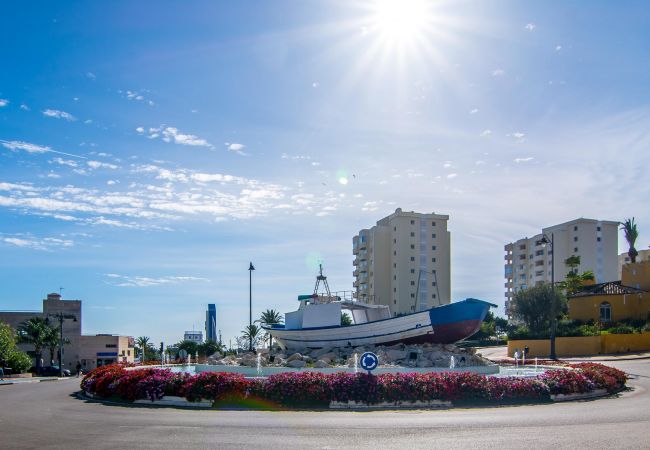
(215, 355)
(320, 352)
(394, 355)
(320, 364)
(327, 357)
(424, 363)
(307, 359)
(296, 363)
(295, 357)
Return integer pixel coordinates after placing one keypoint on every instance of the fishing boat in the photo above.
(317, 322)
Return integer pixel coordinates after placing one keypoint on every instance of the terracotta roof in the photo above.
(609, 288)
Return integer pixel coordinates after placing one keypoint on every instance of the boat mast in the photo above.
(322, 278)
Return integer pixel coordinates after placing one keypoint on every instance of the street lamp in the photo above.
(250, 306)
(543, 242)
(61, 317)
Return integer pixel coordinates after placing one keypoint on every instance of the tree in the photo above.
(537, 306)
(252, 333)
(270, 317)
(35, 331)
(10, 354)
(143, 343)
(631, 234)
(52, 341)
(209, 348)
(190, 347)
(346, 321)
(574, 281)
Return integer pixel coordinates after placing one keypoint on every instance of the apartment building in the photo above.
(194, 336)
(404, 262)
(528, 260)
(623, 258)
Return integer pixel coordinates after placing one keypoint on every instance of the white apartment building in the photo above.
(194, 336)
(623, 258)
(404, 262)
(528, 261)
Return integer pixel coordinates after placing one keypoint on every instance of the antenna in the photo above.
(60, 290)
(322, 278)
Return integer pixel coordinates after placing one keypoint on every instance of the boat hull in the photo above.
(442, 325)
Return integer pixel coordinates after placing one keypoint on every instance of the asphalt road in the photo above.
(49, 415)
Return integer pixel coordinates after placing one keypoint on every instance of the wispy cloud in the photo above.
(141, 281)
(34, 243)
(173, 135)
(235, 147)
(28, 147)
(3, 102)
(498, 72)
(57, 114)
(485, 133)
(101, 165)
(530, 26)
(520, 160)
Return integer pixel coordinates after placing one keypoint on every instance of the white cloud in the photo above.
(59, 114)
(101, 165)
(315, 84)
(519, 160)
(26, 146)
(473, 111)
(558, 48)
(3, 102)
(485, 133)
(451, 176)
(498, 72)
(34, 243)
(140, 281)
(235, 147)
(530, 26)
(172, 134)
(24, 107)
(91, 76)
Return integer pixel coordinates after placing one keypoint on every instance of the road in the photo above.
(49, 415)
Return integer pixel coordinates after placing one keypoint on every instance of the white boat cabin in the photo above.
(325, 311)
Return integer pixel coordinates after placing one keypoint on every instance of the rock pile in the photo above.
(399, 355)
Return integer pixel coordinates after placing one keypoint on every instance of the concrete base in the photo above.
(433, 404)
(569, 397)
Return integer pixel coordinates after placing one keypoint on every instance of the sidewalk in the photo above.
(501, 354)
(7, 381)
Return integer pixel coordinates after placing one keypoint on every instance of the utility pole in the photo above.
(250, 306)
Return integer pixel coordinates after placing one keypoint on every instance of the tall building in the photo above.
(404, 262)
(211, 323)
(623, 258)
(528, 260)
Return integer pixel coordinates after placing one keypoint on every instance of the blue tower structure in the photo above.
(211, 323)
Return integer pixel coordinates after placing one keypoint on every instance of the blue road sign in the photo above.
(369, 361)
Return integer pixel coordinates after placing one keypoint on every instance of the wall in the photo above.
(628, 306)
(105, 349)
(583, 345)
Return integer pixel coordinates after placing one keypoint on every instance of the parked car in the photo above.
(53, 371)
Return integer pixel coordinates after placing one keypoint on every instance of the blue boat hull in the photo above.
(442, 325)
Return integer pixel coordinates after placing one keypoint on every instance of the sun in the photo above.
(400, 21)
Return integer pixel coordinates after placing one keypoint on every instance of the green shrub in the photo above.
(19, 361)
(622, 329)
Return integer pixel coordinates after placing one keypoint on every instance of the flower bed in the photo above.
(314, 389)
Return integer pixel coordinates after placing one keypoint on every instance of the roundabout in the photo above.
(32, 415)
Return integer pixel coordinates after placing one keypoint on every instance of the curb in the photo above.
(33, 381)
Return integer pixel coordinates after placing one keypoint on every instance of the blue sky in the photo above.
(149, 151)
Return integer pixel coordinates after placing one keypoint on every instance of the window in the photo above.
(394, 252)
(111, 345)
(394, 228)
(433, 236)
(598, 239)
(575, 228)
(597, 228)
(433, 295)
(539, 263)
(394, 265)
(433, 247)
(412, 246)
(412, 234)
(522, 247)
(412, 283)
(394, 289)
(394, 241)
(412, 295)
(539, 273)
(433, 284)
(522, 256)
(394, 302)
(575, 249)
(394, 277)
(412, 258)
(530, 256)
(433, 224)
(412, 222)
(433, 259)
(575, 238)
(412, 270)
(539, 252)
(605, 312)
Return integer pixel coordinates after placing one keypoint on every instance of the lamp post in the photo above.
(250, 306)
(543, 241)
(60, 316)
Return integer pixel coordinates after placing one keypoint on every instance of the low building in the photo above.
(103, 349)
(194, 336)
(627, 299)
(68, 313)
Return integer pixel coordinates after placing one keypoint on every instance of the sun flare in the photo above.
(401, 21)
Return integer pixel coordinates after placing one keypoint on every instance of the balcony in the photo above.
(355, 273)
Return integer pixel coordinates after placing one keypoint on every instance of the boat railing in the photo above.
(349, 296)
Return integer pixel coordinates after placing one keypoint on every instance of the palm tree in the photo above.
(631, 234)
(143, 343)
(52, 341)
(35, 331)
(252, 333)
(269, 317)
